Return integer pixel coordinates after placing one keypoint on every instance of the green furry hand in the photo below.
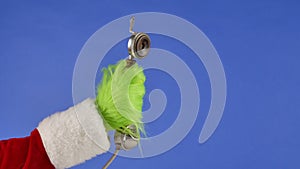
(120, 97)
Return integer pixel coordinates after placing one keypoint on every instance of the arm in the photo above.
(62, 140)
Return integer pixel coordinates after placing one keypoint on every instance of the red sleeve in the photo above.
(24, 153)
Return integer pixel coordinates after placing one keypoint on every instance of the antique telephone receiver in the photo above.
(138, 47)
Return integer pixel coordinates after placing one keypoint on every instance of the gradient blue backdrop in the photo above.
(258, 43)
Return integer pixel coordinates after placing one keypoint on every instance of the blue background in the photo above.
(258, 43)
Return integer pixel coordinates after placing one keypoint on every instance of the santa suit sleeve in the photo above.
(63, 140)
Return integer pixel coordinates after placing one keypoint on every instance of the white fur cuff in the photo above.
(75, 135)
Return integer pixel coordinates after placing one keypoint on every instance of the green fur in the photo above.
(120, 97)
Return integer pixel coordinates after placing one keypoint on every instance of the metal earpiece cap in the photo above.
(138, 44)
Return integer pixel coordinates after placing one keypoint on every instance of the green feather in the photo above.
(120, 97)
